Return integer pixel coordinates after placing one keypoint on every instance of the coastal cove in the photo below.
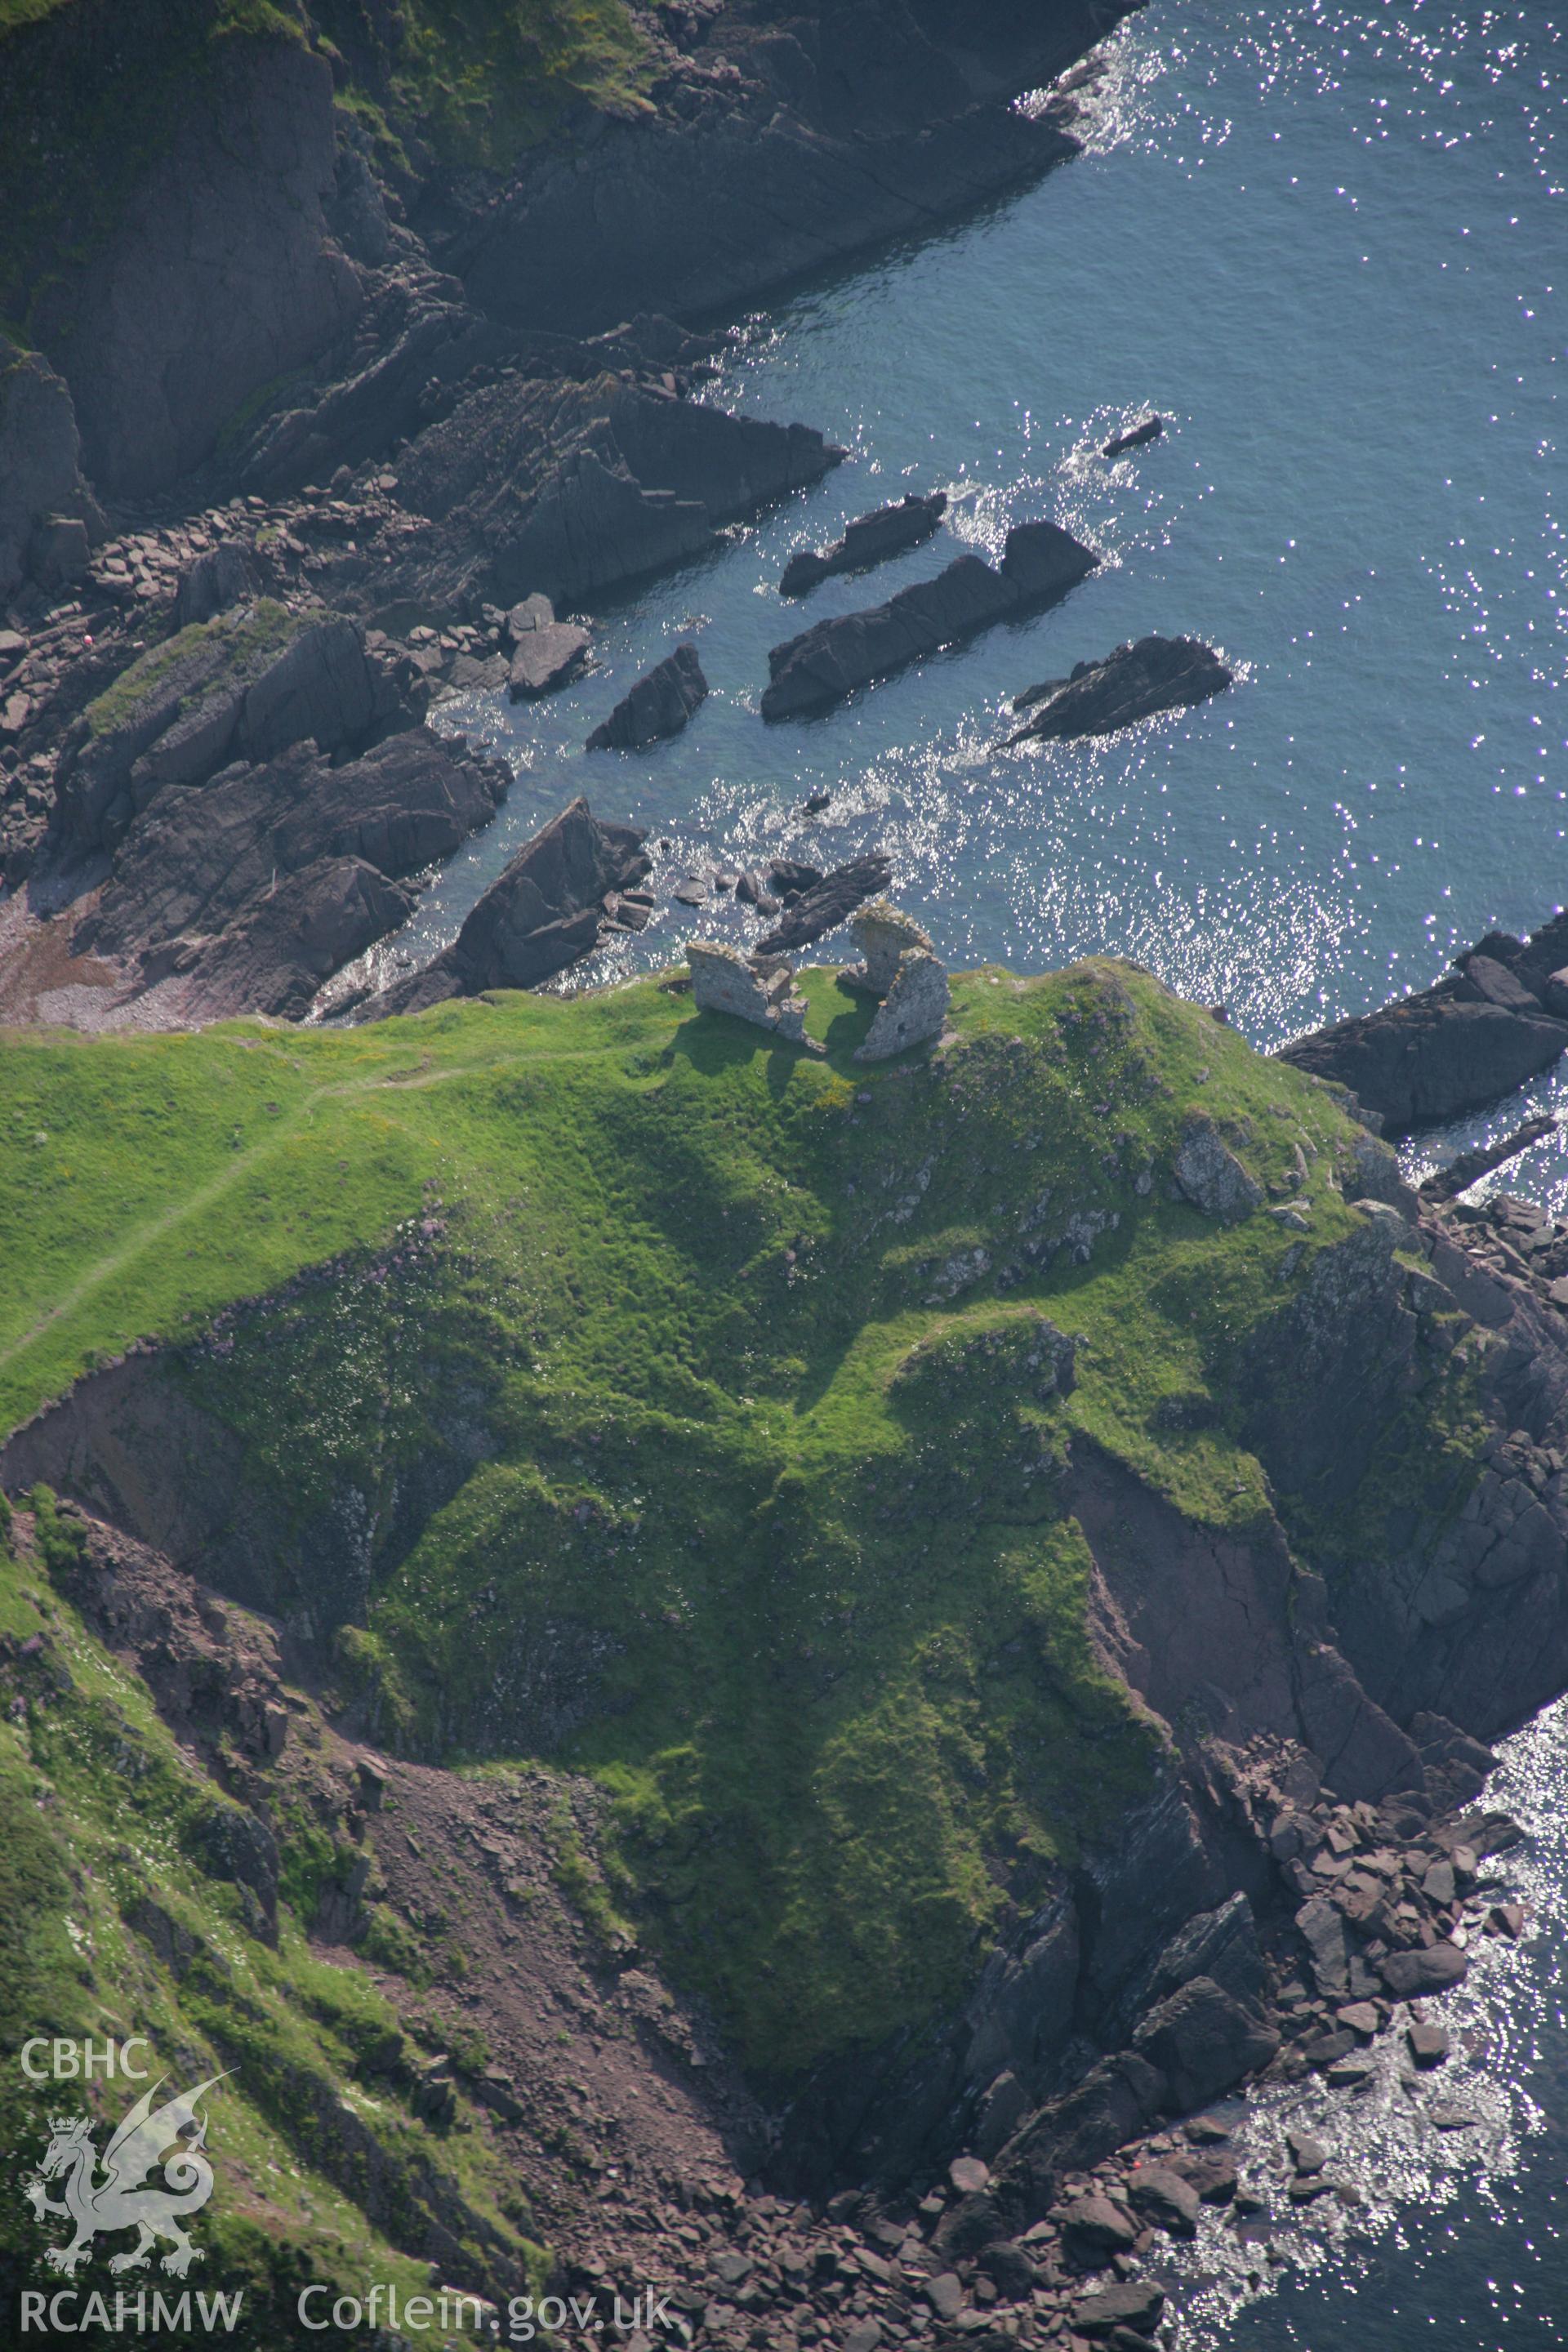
(728, 1552)
(1323, 248)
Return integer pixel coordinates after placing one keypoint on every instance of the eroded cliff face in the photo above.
(217, 278)
(247, 220)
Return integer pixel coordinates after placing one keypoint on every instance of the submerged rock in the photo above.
(1137, 682)
(818, 668)
(660, 705)
(870, 540)
(546, 911)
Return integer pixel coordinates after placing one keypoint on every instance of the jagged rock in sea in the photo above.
(822, 905)
(810, 673)
(1136, 681)
(1496, 1018)
(252, 888)
(660, 705)
(532, 485)
(547, 911)
(870, 540)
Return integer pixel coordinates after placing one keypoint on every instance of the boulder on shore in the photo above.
(546, 652)
(660, 705)
(546, 911)
(870, 540)
(1136, 681)
(1494, 1020)
(811, 672)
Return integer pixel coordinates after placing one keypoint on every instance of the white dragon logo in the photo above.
(119, 2201)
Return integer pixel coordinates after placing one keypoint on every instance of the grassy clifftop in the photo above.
(768, 1367)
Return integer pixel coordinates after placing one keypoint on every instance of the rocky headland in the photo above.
(1213, 1882)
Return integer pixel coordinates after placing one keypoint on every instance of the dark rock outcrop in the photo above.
(223, 577)
(568, 488)
(660, 705)
(870, 540)
(39, 454)
(827, 903)
(256, 887)
(546, 911)
(1499, 1017)
(1204, 2043)
(811, 672)
(212, 272)
(1148, 428)
(246, 685)
(1137, 682)
(801, 134)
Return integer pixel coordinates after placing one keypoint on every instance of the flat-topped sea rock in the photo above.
(870, 540)
(811, 672)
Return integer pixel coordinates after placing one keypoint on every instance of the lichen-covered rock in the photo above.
(1211, 1175)
(723, 982)
(882, 931)
(913, 1009)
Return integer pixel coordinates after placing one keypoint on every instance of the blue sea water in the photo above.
(1327, 244)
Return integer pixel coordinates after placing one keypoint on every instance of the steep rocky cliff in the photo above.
(974, 1524)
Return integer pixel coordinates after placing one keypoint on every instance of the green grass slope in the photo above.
(104, 1821)
(769, 1354)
